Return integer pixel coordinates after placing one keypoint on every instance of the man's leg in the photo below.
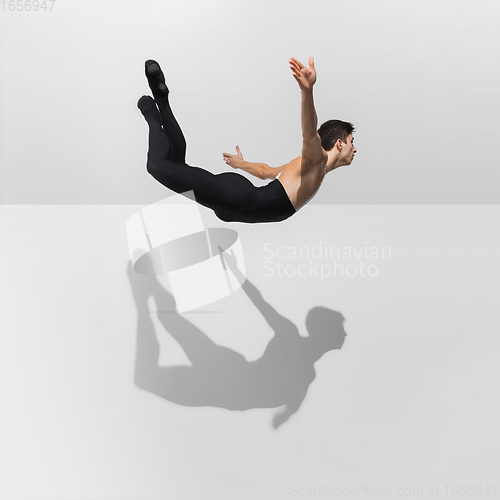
(160, 146)
(223, 193)
(156, 81)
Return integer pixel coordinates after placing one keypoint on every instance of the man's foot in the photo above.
(148, 108)
(156, 78)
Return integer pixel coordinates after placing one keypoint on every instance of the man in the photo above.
(232, 196)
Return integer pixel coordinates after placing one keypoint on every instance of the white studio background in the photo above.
(417, 78)
(409, 401)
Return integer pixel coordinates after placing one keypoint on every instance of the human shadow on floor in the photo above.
(221, 377)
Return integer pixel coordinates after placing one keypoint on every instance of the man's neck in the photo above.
(332, 163)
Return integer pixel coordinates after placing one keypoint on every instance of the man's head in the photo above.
(336, 137)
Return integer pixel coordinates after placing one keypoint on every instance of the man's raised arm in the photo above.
(306, 78)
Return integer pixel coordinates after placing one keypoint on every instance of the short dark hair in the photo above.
(332, 130)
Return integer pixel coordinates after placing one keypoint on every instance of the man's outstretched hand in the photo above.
(234, 161)
(306, 77)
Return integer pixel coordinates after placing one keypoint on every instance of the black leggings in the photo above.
(231, 196)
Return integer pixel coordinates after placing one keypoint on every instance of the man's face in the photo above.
(348, 150)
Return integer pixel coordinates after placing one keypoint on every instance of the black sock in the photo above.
(156, 78)
(148, 108)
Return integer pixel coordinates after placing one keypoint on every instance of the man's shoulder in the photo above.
(314, 165)
(312, 148)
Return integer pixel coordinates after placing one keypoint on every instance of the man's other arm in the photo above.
(260, 170)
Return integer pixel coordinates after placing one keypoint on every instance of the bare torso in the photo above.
(302, 180)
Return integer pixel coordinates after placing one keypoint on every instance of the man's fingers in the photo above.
(296, 61)
(311, 62)
(295, 66)
(300, 70)
(296, 71)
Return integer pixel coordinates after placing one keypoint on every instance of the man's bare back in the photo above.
(302, 183)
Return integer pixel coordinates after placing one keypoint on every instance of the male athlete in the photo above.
(232, 196)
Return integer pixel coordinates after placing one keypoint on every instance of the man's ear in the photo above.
(339, 145)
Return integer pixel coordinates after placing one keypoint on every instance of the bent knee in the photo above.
(160, 170)
(153, 166)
